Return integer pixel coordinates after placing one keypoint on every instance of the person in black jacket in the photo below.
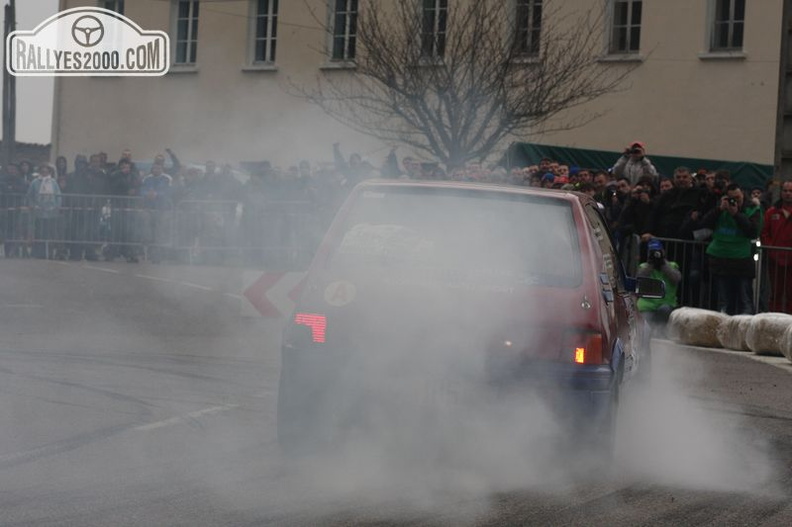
(674, 217)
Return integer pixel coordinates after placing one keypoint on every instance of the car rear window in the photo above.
(470, 235)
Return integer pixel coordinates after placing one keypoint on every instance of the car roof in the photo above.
(488, 187)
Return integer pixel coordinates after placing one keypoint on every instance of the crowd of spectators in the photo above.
(128, 208)
(708, 221)
(713, 220)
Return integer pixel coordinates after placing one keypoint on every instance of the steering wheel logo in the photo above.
(87, 31)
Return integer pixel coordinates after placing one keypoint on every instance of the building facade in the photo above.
(710, 81)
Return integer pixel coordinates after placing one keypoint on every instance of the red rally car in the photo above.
(428, 297)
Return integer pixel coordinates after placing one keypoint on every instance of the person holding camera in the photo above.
(633, 164)
(657, 310)
(732, 266)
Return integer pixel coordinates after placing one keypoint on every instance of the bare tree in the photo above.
(457, 82)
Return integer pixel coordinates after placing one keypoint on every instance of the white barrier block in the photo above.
(765, 331)
(695, 327)
(731, 332)
(786, 343)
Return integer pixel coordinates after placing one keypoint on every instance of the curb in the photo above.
(779, 362)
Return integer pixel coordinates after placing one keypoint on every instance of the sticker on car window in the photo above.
(340, 293)
(374, 240)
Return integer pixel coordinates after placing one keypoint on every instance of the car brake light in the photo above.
(584, 348)
(317, 323)
(580, 355)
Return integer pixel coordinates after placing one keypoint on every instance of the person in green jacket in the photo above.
(732, 265)
(657, 310)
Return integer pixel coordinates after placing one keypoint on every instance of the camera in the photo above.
(656, 255)
(732, 202)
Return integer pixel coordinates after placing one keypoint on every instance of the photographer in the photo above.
(731, 251)
(633, 164)
(657, 310)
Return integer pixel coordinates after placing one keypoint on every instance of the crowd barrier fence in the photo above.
(283, 235)
(275, 234)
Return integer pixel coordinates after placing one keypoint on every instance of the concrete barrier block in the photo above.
(731, 332)
(786, 343)
(765, 331)
(695, 327)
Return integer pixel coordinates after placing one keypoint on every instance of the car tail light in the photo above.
(316, 322)
(584, 347)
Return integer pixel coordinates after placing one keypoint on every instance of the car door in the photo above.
(620, 303)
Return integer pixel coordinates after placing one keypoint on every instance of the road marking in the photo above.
(104, 269)
(196, 286)
(156, 278)
(235, 296)
(61, 446)
(187, 417)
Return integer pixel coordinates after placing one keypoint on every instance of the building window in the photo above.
(728, 25)
(113, 5)
(529, 25)
(186, 31)
(626, 26)
(266, 33)
(435, 18)
(344, 23)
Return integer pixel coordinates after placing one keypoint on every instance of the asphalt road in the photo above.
(142, 395)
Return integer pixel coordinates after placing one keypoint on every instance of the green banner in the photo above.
(746, 174)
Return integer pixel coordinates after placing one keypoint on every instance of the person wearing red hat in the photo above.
(777, 232)
(633, 164)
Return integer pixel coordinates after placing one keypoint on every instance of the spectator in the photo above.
(353, 171)
(665, 185)
(122, 184)
(390, 167)
(657, 310)
(600, 181)
(156, 192)
(618, 201)
(777, 232)
(61, 170)
(632, 222)
(173, 169)
(671, 215)
(82, 213)
(633, 164)
(674, 216)
(256, 231)
(730, 252)
(97, 175)
(26, 170)
(44, 198)
(13, 192)
(585, 176)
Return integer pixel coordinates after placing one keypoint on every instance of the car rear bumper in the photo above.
(323, 375)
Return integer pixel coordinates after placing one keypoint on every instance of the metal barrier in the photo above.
(772, 285)
(275, 234)
(774, 277)
(284, 235)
